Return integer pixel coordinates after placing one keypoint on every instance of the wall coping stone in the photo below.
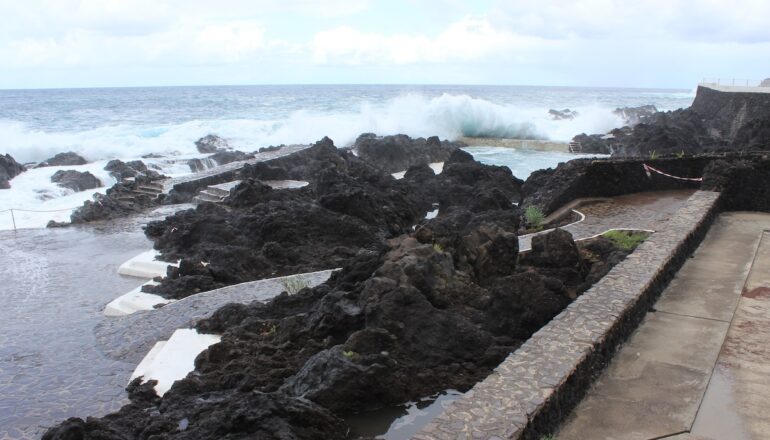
(537, 385)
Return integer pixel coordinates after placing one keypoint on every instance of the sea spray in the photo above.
(108, 123)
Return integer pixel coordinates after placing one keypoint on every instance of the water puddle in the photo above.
(717, 416)
(403, 421)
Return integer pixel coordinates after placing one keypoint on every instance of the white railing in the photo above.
(733, 82)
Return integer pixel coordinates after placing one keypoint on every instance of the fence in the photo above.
(733, 82)
(13, 217)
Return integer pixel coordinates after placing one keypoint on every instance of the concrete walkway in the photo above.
(697, 366)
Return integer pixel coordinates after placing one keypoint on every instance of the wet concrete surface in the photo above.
(738, 396)
(55, 284)
(641, 211)
(674, 378)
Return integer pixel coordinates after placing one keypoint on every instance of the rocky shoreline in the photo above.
(421, 305)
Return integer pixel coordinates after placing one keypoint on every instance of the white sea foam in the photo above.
(448, 116)
(36, 200)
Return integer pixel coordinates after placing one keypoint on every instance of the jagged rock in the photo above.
(593, 144)
(211, 144)
(225, 157)
(9, 169)
(716, 121)
(264, 171)
(63, 159)
(406, 317)
(634, 115)
(467, 183)
(119, 201)
(397, 153)
(75, 180)
(554, 249)
(121, 170)
(559, 115)
(197, 165)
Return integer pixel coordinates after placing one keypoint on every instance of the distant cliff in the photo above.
(716, 121)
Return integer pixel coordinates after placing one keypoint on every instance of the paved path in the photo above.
(641, 211)
(655, 385)
(232, 166)
(129, 338)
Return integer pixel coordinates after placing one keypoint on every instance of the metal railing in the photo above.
(733, 82)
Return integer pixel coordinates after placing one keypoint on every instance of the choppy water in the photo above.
(107, 123)
(127, 123)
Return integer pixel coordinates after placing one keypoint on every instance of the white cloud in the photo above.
(466, 40)
(685, 20)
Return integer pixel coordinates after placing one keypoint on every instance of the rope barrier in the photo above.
(13, 217)
(648, 168)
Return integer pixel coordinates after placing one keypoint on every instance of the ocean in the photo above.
(127, 123)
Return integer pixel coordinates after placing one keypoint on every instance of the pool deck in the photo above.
(697, 366)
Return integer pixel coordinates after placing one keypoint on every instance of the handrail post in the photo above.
(13, 219)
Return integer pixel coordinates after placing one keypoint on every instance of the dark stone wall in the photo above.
(727, 113)
(553, 188)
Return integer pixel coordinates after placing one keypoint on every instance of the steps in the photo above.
(215, 193)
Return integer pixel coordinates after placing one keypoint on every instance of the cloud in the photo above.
(182, 44)
(679, 20)
(466, 40)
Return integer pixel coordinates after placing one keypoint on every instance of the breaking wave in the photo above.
(447, 116)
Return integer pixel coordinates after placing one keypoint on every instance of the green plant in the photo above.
(680, 154)
(294, 284)
(653, 155)
(270, 330)
(626, 240)
(349, 354)
(534, 217)
(547, 437)
(438, 248)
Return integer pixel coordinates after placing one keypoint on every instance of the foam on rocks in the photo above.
(145, 265)
(169, 361)
(135, 301)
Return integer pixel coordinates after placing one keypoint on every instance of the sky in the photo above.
(639, 43)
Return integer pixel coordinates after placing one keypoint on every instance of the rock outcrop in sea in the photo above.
(63, 159)
(75, 180)
(211, 144)
(397, 153)
(9, 169)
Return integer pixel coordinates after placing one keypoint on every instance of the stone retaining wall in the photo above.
(537, 385)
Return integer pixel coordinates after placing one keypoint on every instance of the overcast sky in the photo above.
(641, 43)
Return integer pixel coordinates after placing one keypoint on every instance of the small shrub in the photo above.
(349, 354)
(626, 240)
(680, 154)
(294, 284)
(653, 155)
(270, 331)
(438, 248)
(534, 217)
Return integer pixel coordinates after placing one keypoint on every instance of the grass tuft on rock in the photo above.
(626, 240)
(534, 217)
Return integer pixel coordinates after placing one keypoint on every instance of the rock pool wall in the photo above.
(538, 384)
